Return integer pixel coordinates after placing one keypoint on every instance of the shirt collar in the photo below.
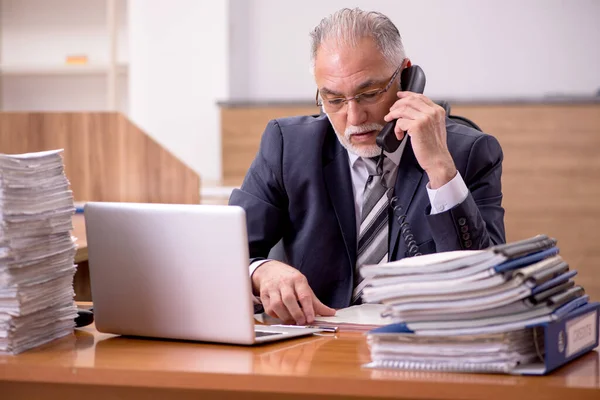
(395, 156)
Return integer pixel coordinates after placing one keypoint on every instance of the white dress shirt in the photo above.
(451, 194)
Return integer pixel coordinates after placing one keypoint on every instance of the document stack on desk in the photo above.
(36, 251)
(494, 310)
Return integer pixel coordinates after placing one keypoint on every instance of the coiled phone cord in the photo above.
(405, 231)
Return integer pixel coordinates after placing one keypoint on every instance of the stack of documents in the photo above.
(36, 251)
(472, 310)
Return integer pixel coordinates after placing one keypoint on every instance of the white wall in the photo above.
(178, 71)
(468, 48)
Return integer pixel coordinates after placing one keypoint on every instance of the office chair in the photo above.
(457, 118)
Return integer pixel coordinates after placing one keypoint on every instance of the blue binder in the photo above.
(566, 339)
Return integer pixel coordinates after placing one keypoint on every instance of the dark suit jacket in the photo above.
(299, 189)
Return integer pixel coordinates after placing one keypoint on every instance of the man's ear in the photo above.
(405, 64)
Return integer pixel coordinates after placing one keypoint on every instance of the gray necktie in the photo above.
(373, 232)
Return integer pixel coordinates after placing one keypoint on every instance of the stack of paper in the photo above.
(447, 300)
(36, 251)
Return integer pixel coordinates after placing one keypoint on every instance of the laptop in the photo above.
(174, 272)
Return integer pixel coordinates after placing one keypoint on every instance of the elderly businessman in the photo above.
(322, 186)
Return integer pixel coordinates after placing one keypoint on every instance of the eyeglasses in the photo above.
(336, 104)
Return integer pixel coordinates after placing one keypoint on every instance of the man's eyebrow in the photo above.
(362, 86)
(330, 92)
(369, 83)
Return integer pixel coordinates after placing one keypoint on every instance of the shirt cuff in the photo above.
(449, 195)
(253, 267)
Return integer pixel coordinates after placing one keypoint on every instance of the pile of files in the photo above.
(36, 251)
(496, 310)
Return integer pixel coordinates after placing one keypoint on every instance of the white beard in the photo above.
(365, 151)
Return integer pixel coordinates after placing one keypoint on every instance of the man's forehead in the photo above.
(339, 55)
(341, 68)
(335, 59)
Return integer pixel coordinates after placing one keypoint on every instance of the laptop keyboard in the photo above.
(263, 333)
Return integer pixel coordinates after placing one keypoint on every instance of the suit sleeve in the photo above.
(477, 222)
(263, 196)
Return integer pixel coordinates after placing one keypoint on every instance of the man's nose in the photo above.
(356, 113)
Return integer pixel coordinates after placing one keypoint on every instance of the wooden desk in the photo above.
(91, 365)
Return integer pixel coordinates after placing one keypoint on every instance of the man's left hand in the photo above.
(425, 123)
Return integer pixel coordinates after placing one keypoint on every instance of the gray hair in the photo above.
(349, 26)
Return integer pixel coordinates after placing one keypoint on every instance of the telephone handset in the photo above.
(412, 79)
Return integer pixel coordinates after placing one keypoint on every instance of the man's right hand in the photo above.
(285, 294)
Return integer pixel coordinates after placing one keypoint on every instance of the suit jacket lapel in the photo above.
(338, 182)
(407, 182)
